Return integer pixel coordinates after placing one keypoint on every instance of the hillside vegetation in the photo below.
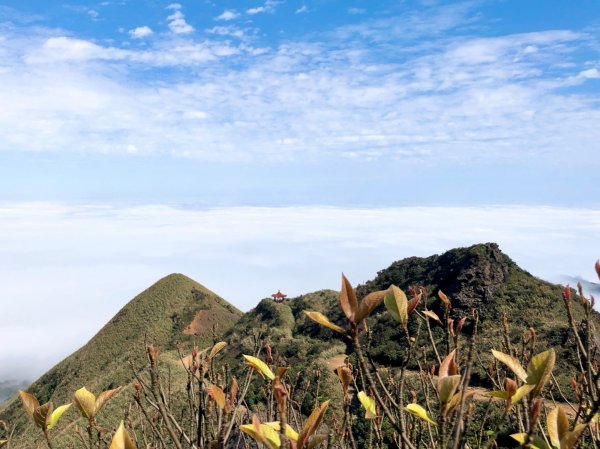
(457, 350)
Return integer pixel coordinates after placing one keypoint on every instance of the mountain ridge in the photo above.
(177, 313)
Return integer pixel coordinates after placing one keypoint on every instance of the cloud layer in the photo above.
(67, 269)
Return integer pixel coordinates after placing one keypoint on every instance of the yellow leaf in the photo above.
(121, 439)
(369, 404)
(539, 369)
(259, 366)
(30, 403)
(368, 304)
(217, 394)
(216, 349)
(455, 401)
(348, 299)
(41, 415)
(569, 440)
(558, 425)
(55, 415)
(85, 402)
(250, 430)
(447, 387)
(431, 314)
(289, 432)
(520, 437)
(499, 394)
(522, 391)
(512, 363)
(312, 424)
(397, 304)
(3, 443)
(323, 320)
(271, 436)
(419, 412)
(535, 442)
(104, 397)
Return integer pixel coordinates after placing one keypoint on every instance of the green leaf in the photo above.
(512, 363)
(323, 320)
(539, 370)
(260, 366)
(121, 439)
(419, 412)
(56, 414)
(447, 388)
(397, 304)
(85, 402)
(369, 405)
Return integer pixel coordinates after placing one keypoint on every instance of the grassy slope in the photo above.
(158, 315)
(478, 277)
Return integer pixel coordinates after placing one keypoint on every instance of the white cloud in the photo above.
(141, 32)
(455, 99)
(122, 250)
(268, 7)
(228, 14)
(178, 25)
(256, 10)
(302, 9)
(356, 11)
(174, 6)
(232, 31)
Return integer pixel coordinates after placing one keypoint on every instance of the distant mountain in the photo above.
(177, 312)
(10, 387)
(589, 288)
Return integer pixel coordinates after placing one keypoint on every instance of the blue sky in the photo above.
(279, 143)
(283, 102)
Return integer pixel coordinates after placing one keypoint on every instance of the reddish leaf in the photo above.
(414, 302)
(368, 304)
(444, 299)
(348, 299)
(448, 366)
